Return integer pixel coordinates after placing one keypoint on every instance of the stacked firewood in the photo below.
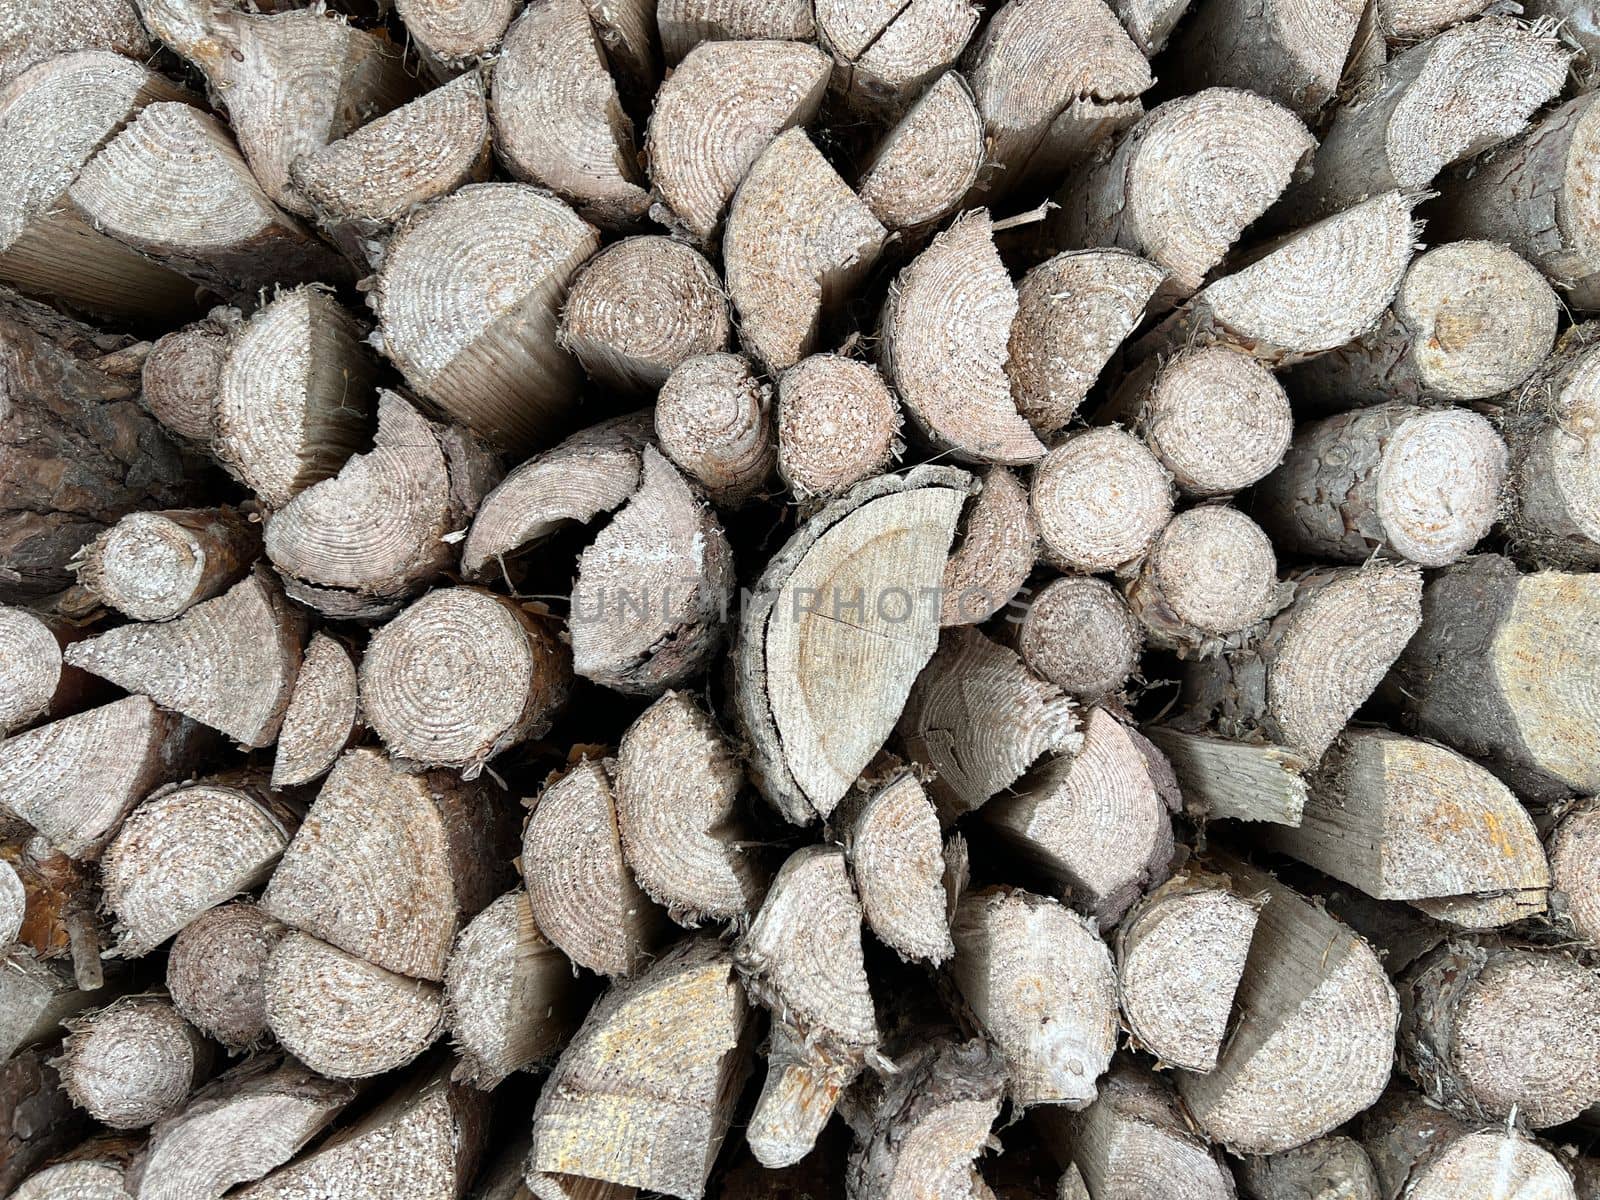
(770, 598)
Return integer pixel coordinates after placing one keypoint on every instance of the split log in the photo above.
(35, 998)
(294, 396)
(1318, 660)
(183, 371)
(1039, 123)
(36, 32)
(667, 1053)
(713, 419)
(1293, 53)
(53, 118)
(1150, 24)
(35, 684)
(685, 24)
(342, 1016)
(977, 719)
(1412, 127)
(38, 1120)
(449, 34)
(639, 308)
(214, 973)
(558, 120)
(1488, 1029)
(1503, 670)
(582, 894)
(653, 588)
(92, 1170)
(1185, 182)
(50, 906)
(886, 52)
(1332, 1166)
(496, 259)
(1242, 781)
(460, 676)
(1079, 633)
(594, 471)
(944, 347)
(153, 566)
(1040, 982)
(717, 113)
(1100, 498)
(1309, 984)
(75, 779)
(1210, 578)
(891, 837)
(798, 242)
(323, 717)
(1073, 311)
(1181, 954)
(994, 551)
(1579, 27)
(628, 28)
(837, 424)
(229, 662)
(188, 849)
(929, 161)
(133, 1062)
(1574, 856)
(677, 790)
(389, 865)
(876, 554)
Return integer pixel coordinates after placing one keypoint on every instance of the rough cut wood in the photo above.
(644, 1093)
(450, 33)
(837, 424)
(34, 683)
(685, 24)
(153, 566)
(1293, 53)
(1211, 576)
(1575, 871)
(929, 160)
(1244, 781)
(885, 52)
(92, 1170)
(891, 836)
(49, 906)
(37, 996)
(1100, 499)
(1150, 23)
(214, 973)
(713, 419)
(182, 371)
(468, 297)
(39, 1118)
(1078, 633)
(133, 1062)
(1555, 470)
(1332, 1166)
(34, 32)
(323, 717)
(994, 551)
(878, 554)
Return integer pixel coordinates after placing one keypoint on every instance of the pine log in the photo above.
(50, 906)
(35, 998)
(1181, 953)
(496, 258)
(886, 52)
(323, 718)
(1079, 633)
(797, 243)
(1503, 670)
(582, 894)
(1210, 577)
(214, 973)
(91, 1170)
(686, 24)
(1150, 23)
(713, 419)
(389, 865)
(558, 120)
(37, 1119)
(717, 113)
(33, 33)
(837, 424)
(1041, 984)
(653, 589)
(994, 551)
(891, 837)
(1326, 1168)
(133, 1062)
(1288, 51)
(1309, 984)
(35, 685)
(183, 371)
(153, 566)
(1100, 498)
(187, 849)
(1073, 311)
(928, 162)
(1574, 856)
(448, 33)
(1224, 779)
(644, 1093)
(1318, 660)
(878, 554)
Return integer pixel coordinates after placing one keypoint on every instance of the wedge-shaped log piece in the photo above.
(644, 1093)
(798, 242)
(214, 973)
(1290, 51)
(929, 160)
(153, 566)
(1223, 779)
(897, 861)
(182, 371)
(1079, 633)
(388, 865)
(1150, 23)
(876, 555)
(1100, 498)
(1327, 1166)
(468, 297)
(1574, 855)
(92, 1170)
(994, 551)
(1209, 579)
(35, 998)
(323, 716)
(1314, 1042)
(133, 1062)
(449, 33)
(838, 423)
(36, 32)
(686, 24)
(34, 684)
(885, 52)
(713, 418)
(1555, 460)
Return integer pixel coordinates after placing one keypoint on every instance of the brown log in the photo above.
(1079, 633)
(153, 566)
(214, 973)
(713, 418)
(1326, 1166)
(1100, 498)
(39, 1119)
(449, 34)
(928, 162)
(133, 1062)
(183, 371)
(323, 717)
(994, 551)
(36, 32)
(34, 683)
(1238, 780)
(49, 906)
(1291, 53)
(838, 423)
(886, 52)
(891, 837)
(686, 24)
(1574, 888)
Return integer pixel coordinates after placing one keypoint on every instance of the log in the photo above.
(641, 307)
(628, 28)
(188, 849)
(1309, 984)
(35, 685)
(886, 53)
(36, 997)
(686, 24)
(133, 1062)
(582, 894)
(50, 906)
(1100, 498)
(876, 553)
(713, 419)
(1318, 661)
(323, 717)
(837, 424)
(1073, 311)
(715, 115)
(229, 662)
(482, 254)
(448, 35)
(389, 865)
(929, 160)
(1574, 892)
(1332, 1166)
(1222, 779)
(214, 973)
(653, 588)
(39, 1119)
(1040, 983)
(37, 32)
(994, 551)
(798, 242)
(153, 566)
(643, 1095)
(1181, 953)
(944, 335)
(92, 1170)
(1079, 633)
(558, 120)
(678, 782)
(891, 838)
(1150, 24)
(1291, 53)
(1501, 670)
(182, 372)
